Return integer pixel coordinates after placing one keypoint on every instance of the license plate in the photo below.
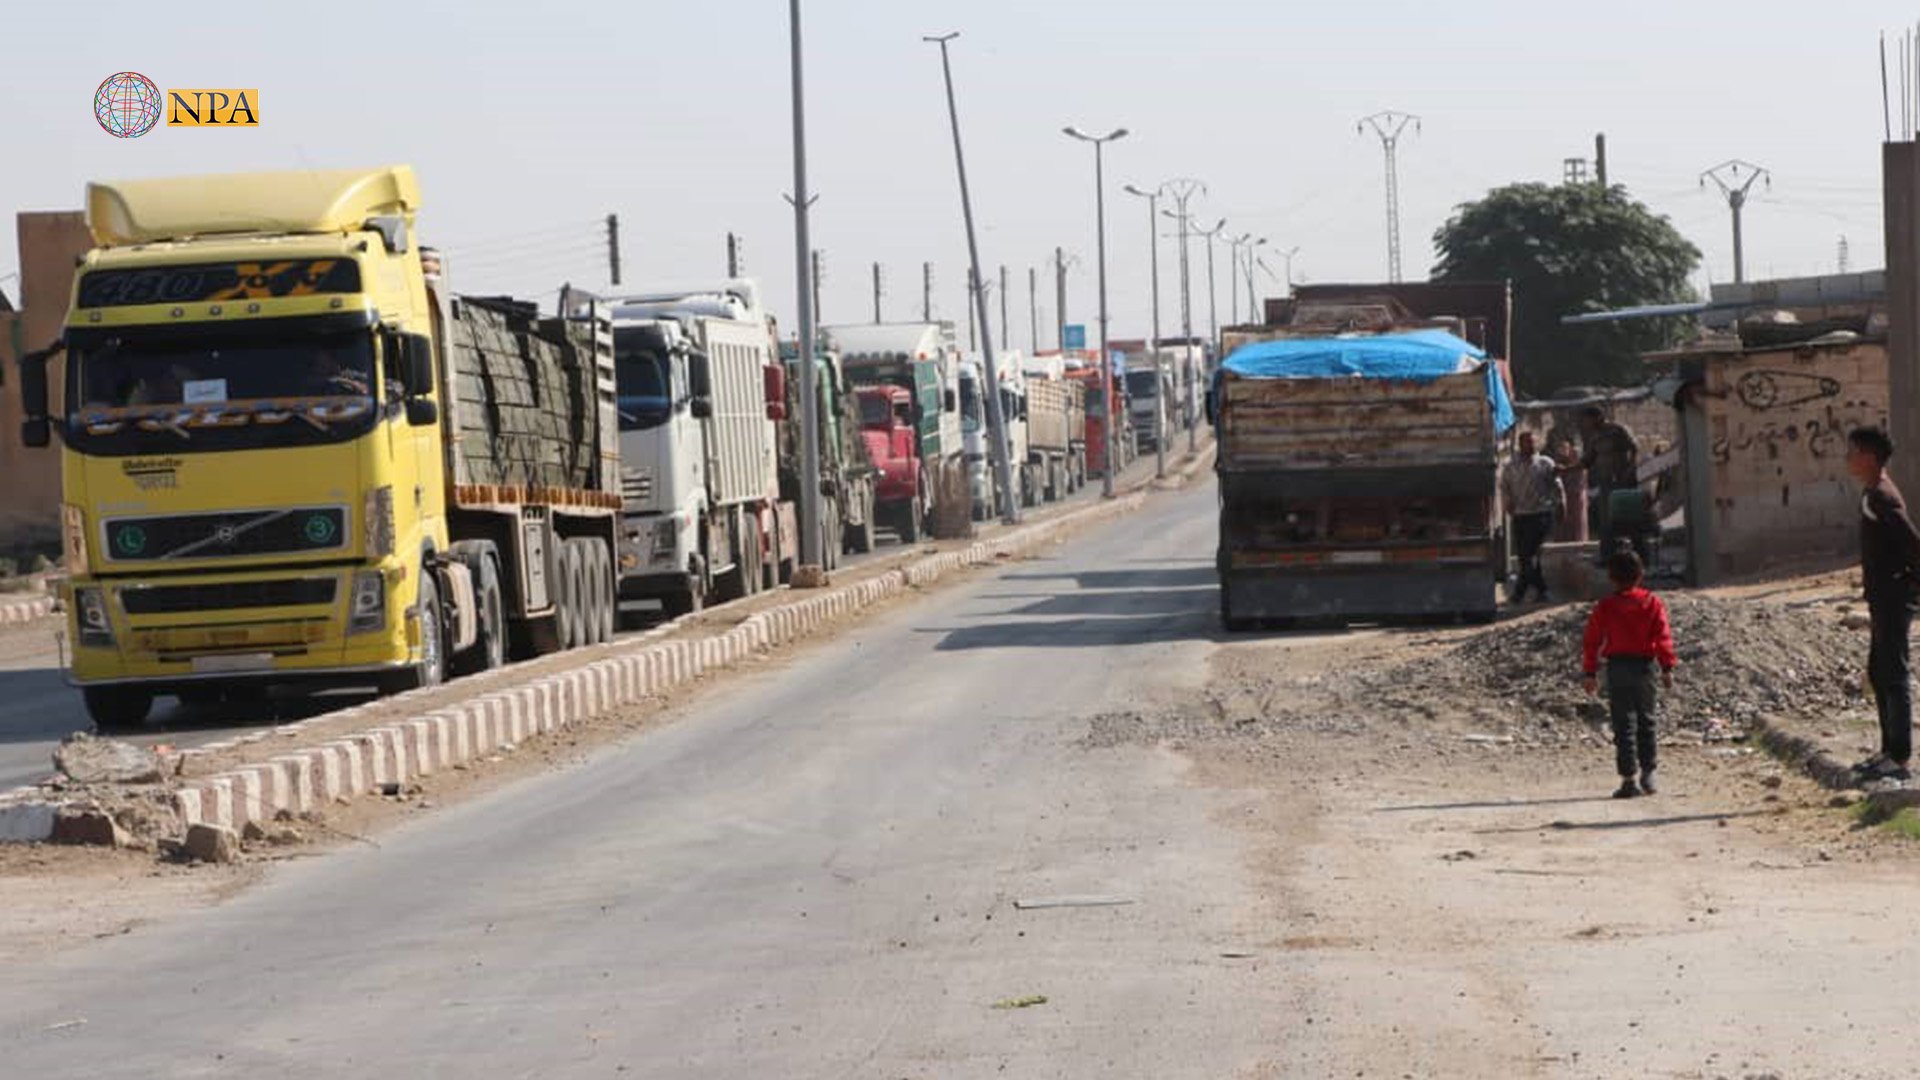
(1358, 558)
(226, 665)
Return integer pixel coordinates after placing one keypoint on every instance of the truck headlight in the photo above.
(369, 613)
(666, 532)
(96, 630)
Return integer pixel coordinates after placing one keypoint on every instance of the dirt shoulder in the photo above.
(1454, 893)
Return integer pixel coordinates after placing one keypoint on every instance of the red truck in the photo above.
(1097, 419)
(904, 493)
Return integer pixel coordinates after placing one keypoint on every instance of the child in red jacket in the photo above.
(1629, 630)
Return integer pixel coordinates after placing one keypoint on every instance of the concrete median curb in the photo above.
(398, 751)
(14, 612)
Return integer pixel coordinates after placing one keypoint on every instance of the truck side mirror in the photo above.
(699, 376)
(702, 408)
(950, 402)
(415, 364)
(422, 412)
(35, 431)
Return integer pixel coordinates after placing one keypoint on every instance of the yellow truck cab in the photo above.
(283, 452)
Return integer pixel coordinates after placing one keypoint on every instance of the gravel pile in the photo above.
(1738, 660)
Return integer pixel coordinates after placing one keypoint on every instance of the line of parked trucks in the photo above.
(291, 455)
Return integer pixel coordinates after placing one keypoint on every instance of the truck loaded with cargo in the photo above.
(922, 360)
(1357, 479)
(849, 507)
(699, 379)
(1056, 435)
(291, 457)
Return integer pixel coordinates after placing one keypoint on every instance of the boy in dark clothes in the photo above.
(1629, 630)
(1890, 568)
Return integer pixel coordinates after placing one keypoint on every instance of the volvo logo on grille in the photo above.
(224, 535)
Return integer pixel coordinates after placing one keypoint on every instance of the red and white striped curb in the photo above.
(398, 751)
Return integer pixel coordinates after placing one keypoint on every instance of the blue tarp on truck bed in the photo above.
(1414, 356)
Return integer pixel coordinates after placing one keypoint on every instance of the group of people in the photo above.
(1629, 634)
(1533, 489)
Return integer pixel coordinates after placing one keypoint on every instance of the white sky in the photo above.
(529, 123)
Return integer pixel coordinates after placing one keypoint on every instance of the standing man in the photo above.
(1531, 488)
(1890, 567)
(1611, 457)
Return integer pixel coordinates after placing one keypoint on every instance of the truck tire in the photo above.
(489, 651)
(117, 708)
(599, 571)
(860, 537)
(432, 669)
(913, 522)
(831, 535)
(753, 558)
(570, 605)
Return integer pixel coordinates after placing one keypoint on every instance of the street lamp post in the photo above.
(996, 420)
(1153, 347)
(1213, 323)
(1181, 191)
(1100, 230)
(811, 537)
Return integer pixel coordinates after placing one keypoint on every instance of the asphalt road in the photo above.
(810, 873)
(38, 709)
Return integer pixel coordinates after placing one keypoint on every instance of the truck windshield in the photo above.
(875, 411)
(970, 407)
(1142, 384)
(233, 390)
(645, 386)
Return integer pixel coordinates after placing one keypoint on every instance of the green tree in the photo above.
(1572, 248)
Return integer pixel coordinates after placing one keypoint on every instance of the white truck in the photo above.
(699, 387)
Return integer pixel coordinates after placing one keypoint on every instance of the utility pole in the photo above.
(1600, 160)
(810, 533)
(876, 293)
(996, 422)
(1033, 307)
(1153, 345)
(819, 275)
(1060, 297)
(926, 292)
(973, 317)
(1181, 191)
(1390, 126)
(1735, 179)
(733, 256)
(1106, 350)
(1845, 255)
(613, 247)
(1213, 323)
(1004, 336)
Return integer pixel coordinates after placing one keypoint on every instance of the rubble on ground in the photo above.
(1739, 659)
(85, 759)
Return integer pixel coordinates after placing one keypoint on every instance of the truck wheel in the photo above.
(571, 605)
(831, 535)
(860, 537)
(432, 669)
(490, 650)
(599, 574)
(117, 708)
(912, 521)
(752, 560)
